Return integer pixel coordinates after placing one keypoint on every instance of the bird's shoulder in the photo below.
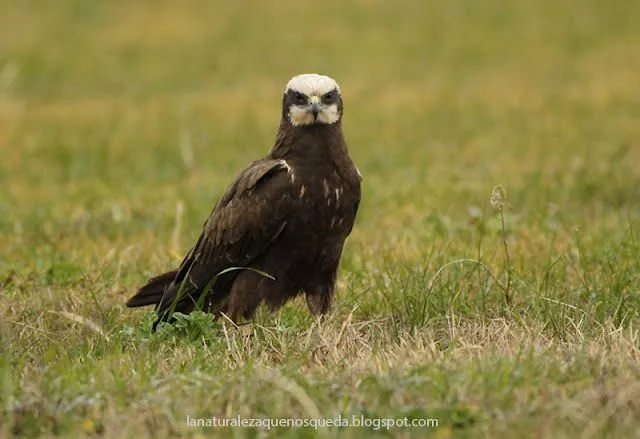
(274, 172)
(254, 208)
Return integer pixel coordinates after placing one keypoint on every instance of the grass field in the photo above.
(122, 122)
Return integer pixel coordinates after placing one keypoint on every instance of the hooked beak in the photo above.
(315, 106)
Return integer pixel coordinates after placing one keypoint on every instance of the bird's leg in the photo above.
(319, 299)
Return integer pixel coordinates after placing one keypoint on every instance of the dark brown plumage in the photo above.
(287, 215)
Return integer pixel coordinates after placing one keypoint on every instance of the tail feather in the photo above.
(169, 293)
(153, 291)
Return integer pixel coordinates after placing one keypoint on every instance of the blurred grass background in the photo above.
(115, 114)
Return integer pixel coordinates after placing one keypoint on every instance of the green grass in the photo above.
(122, 122)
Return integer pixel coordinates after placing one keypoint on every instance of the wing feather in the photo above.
(249, 216)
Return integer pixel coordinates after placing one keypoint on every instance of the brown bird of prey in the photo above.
(279, 229)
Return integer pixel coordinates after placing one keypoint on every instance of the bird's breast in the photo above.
(326, 203)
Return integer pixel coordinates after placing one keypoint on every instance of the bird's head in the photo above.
(311, 99)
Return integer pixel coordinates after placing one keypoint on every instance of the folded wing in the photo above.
(250, 215)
